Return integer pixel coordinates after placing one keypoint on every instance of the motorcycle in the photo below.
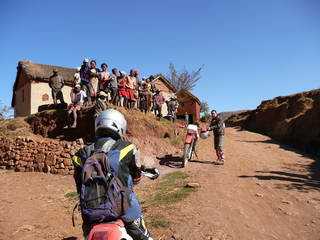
(116, 230)
(190, 143)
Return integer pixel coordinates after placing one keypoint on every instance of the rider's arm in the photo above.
(135, 166)
(78, 160)
(77, 164)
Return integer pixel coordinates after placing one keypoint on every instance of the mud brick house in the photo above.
(31, 89)
(166, 88)
(188, 103)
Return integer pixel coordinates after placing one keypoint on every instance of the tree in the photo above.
(184, 79)
(205, 111)
(5, 111)
(204, 107)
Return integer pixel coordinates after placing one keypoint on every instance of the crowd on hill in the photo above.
(102, 88)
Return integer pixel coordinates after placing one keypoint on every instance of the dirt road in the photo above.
(262, 192)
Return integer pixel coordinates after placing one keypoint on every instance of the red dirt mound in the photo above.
(290, 119)
(153, 137)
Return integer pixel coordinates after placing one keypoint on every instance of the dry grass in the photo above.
(14, 127)
(156, 198)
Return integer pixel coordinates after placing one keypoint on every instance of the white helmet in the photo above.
(204, 135)
(110, 123)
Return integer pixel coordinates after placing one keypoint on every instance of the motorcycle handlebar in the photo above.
(151, 173)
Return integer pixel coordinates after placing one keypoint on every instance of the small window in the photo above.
(45, 97)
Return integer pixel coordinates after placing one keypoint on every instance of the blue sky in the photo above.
(251, 50)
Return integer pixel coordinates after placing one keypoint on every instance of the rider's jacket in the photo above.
(128, 164)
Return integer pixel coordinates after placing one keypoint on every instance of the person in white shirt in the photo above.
(76, 76)
(77, 98)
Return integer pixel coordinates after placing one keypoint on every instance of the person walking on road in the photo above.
(218, 128)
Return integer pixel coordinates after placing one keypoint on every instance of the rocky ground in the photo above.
(264, 191)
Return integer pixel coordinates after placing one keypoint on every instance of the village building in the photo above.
(188, 104)
(31, 89)
(166, 88)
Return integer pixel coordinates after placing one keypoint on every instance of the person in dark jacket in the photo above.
(56, 84)
(218, 128)
(85, 76)
(143, 97)
(113, 86)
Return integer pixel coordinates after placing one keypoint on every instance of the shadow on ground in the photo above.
(300, 182)
(170, 161)
(176, 161)
(203, 162)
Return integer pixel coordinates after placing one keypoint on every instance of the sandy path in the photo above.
(262, 192)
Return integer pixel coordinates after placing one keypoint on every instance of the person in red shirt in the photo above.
(122, 89)
(104, 77)
(131, 86)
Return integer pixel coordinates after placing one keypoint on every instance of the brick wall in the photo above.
(29, 155)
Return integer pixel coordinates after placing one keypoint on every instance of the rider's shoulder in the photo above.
(122, 143)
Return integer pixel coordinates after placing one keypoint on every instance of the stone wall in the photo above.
(29, 155)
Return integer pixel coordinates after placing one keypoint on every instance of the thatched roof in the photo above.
(183, 92)
(41, 73)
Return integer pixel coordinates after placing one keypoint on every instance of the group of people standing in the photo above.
(102, 87)
(120, 88)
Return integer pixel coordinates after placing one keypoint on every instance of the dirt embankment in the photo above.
(41, 143)
(293, 119)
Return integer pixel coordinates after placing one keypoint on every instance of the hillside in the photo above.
(40, 143)
(293, 120)
(225, 115)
